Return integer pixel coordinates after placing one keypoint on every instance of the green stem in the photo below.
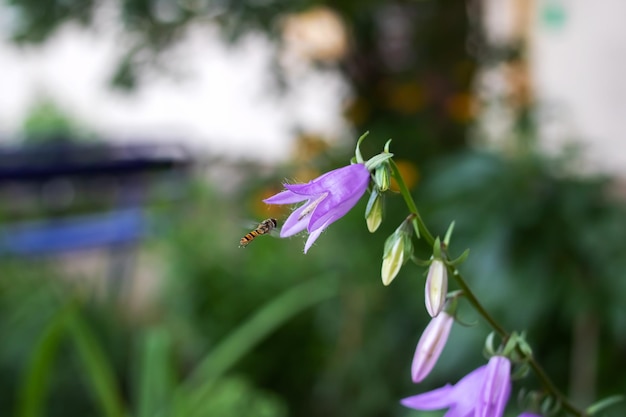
(422, 230)
(469, 295)
(418, 223)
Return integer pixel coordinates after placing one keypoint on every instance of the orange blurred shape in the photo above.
(409, 172)
(317, 34)
(404, 97)
(265, 211)
(461, 107)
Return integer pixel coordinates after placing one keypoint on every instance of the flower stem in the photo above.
(469, 295)
(418, 223)
(422, 230)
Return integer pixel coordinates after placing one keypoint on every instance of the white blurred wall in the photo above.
(224, 100)
(578, 66)
(576, 61)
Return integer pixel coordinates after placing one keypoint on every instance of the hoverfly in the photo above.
(265, 227)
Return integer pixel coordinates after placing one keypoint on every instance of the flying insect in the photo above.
(265, 227)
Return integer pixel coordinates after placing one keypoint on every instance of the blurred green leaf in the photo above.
(32, 392)
(243, 339)
(68, 325)
(98, 370)
(155, 375)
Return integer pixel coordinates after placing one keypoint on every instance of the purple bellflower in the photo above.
(483, 392)
(528, 414)
(430, 345)
(328, 198)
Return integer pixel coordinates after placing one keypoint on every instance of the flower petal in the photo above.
(431, 400)
(332, 180)
(460, 398)
(496, 388)
(294, 224)
(336, 206)
(466, 393)
(329, 216)
(314, 235)
(284, 197)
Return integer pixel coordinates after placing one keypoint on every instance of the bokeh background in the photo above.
(140, 136)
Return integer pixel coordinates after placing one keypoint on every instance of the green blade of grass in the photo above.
(32, 393)
(243, 339)
(155, 374)
(98, 371)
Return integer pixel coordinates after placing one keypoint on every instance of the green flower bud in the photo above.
(398, 250)
(374, 211)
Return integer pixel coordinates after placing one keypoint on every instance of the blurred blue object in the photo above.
(84, 195)
(81, 232)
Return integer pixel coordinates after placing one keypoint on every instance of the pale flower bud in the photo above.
(398, 249)
(436, 287)
(393, 260)
(430, 345)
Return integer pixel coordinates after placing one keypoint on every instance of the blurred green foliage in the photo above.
(48, 123)
(410, 63)
(225, 334)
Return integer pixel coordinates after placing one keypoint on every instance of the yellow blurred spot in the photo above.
(409, 172)
(263, 211)
(461, 107)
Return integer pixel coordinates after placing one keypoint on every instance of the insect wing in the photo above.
(250, 225)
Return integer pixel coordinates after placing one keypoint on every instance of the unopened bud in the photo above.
(430, 345)
(436, 287)
(398, 249)
(374, 212)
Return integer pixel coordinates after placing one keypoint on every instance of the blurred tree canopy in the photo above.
(410, 63)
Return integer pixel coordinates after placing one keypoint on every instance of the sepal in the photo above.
(462, 258)
(382, 177)
(357, 152)
(603, 404)
(377, 160)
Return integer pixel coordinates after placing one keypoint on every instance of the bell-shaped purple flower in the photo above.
(430, 345)
(483, 392)
(328, 198)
